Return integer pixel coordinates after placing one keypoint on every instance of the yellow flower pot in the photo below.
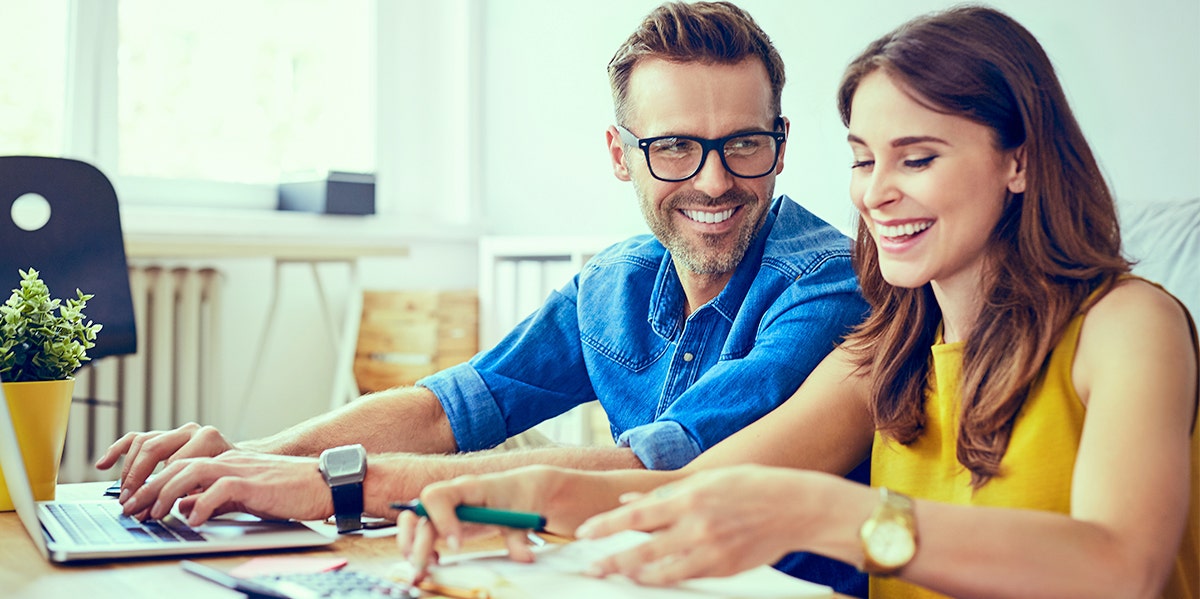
(39, 412)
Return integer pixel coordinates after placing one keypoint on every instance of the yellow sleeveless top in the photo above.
(1037, 466)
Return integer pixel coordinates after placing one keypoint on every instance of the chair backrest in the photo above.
(79, 247)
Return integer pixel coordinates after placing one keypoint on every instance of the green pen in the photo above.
(484, 515)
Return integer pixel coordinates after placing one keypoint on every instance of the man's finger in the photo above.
(211, 500)
(115, 451)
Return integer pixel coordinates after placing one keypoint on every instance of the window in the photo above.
(191, 94)
(231, 90)
(33, 49)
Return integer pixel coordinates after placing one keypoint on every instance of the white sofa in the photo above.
(1164, 237)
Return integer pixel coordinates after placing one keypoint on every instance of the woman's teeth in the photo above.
(709, 217)
(903, 230)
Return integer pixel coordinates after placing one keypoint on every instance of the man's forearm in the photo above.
(401, 477)
(400, 425)
(408, 419)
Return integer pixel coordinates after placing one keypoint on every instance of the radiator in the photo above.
(168, 382)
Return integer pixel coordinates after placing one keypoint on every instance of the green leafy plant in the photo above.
(43, 339)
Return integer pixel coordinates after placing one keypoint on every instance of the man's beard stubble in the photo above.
(706, 257)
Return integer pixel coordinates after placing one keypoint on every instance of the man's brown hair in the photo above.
(704, 32)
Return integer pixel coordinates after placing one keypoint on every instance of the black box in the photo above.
(337, 193)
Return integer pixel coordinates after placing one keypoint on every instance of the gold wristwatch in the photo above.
(889, 536)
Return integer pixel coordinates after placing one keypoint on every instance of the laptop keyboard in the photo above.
(102, 523)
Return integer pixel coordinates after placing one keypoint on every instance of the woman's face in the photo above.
(930, 186)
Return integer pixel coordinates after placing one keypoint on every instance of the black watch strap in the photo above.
(348, 506)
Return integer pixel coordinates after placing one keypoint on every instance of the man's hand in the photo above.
(144, 451)
(266, 485)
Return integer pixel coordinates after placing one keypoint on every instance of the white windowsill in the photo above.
(175, 232)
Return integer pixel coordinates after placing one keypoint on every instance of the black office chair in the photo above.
(79, 247)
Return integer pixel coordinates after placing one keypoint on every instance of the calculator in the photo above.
(330, 584)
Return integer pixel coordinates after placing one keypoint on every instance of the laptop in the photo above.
(70, 531)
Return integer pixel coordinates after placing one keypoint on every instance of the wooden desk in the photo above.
(25, 574)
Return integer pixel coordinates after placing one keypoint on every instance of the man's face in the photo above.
(708, 221)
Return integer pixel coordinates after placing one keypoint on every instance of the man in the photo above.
(684, 336)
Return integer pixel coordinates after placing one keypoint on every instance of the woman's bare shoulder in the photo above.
(1136, 335)
(1135, 302)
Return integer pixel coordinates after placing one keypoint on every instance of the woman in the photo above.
(1028, 406)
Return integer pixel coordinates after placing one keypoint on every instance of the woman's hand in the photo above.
(530, 489)
(713, 523)
(417, 537)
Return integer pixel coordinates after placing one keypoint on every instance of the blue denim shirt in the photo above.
(671, 387)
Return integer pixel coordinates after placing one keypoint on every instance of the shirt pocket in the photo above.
(630, 345)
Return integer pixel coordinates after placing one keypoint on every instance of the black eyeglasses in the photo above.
(676, 158)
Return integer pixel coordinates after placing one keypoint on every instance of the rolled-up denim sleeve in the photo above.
(474, 416)
(535, 373)
(660, 445)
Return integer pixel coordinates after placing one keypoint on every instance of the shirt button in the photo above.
(687, 357)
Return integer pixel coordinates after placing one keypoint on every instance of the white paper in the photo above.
(557, 572)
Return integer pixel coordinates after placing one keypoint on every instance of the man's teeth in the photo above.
(903, 230)
(709, 217)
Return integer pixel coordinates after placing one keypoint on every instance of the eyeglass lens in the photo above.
(750, 155)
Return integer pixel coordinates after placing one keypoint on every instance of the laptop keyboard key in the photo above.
(160, 532)
(104, 524)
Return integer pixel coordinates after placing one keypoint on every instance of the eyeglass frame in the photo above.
(706, 146)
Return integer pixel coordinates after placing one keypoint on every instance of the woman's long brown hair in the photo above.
(1054, 244)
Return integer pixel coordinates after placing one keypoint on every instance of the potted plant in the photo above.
(43, 341)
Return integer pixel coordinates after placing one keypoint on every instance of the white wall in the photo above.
(294, 379)
(1130, 69)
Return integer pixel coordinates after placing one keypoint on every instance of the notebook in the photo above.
(561, 567)
(68, 531)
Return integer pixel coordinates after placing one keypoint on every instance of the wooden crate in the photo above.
(406, 335)
(404, 302)
(411, 336)
(377, 375)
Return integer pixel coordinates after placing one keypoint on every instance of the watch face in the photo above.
(339, 463)
(891, 544)
(343, 465)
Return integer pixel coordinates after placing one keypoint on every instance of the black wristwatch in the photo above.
(344, 469)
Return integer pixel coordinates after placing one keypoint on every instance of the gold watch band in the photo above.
(889, 535)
